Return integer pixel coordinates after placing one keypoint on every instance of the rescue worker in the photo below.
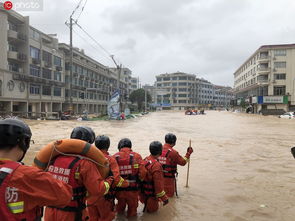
(83, 176)
(153, 185)
(24, 189)
(104, 208)
(169, 159)
(132, 169)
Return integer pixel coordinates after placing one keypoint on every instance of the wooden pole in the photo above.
(188, 164)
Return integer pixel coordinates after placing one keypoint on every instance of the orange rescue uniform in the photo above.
(169, 159)
(91, 179)
(153, 185)
(29, 188)
(104, 208)
(133, 171)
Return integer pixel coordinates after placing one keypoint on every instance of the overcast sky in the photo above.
(209, 38)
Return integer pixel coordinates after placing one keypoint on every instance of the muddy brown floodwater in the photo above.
(241, 169)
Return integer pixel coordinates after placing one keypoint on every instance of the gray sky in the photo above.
(209, 38)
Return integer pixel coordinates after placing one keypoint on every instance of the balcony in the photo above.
(16, 36)
(262, 81)
(36, 61)
(264, 59)
(17, 56)
(263, 70)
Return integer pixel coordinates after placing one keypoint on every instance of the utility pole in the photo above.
(145, 100)
(119, 67)
(71, 64)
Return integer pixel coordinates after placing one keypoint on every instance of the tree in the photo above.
(138, 96)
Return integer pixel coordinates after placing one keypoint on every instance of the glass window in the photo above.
(57, 76)
(34, 70)
(174, 78)
(182, 78)
(182, 95)
(280, 52)
(35, 53)
(182, 101)
(34, 89)
(182, 89)
(279, 90)
(57, 61)
(166, 79)
(159, 79)
(280, 76)
(182, 83)
(57, 91)
(34, 35)
(46, 90)
(280, 64)
(46, 73)
(159, 85)
(174, 84)
(46, 56)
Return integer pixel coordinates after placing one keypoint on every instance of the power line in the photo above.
(93, 39)
(81, 10)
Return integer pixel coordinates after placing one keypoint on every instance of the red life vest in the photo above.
(128, 170)
(169, 168)
(66, 168)
(148, 187)
(13, 211)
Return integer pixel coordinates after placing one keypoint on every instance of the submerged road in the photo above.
(241, 169)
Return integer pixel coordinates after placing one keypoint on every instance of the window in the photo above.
(280, 64)
(174, 84)
(46, 73)
(46, 90)
(166, 84)
(280, 76)
(279, 90)
(182, 95)
(35, 53)
(34, 70)
(34, 35)
(57, 61)
(13, 67)
(182, 89)
(57, 91)
(34, 89)
(174, 78)
(12, 26)
(159, 85)
(182, 101)
(57, 76)
(47, 57)
(159, 79)
(166, 79)
(12, 48)
(182, 78)
(67, 79)
(182, 84)
(280, 52)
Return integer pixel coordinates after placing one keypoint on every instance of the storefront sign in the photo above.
(254, 100)
(275, 99)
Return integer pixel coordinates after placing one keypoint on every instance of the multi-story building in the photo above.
(266, 79)
(205, 92)
(181, 90)
(222, 96)
(134, 84)
(35, 76)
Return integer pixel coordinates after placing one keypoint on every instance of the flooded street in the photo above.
(242, 168)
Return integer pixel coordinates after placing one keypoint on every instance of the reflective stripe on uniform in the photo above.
(120, 182)
(107, 185)
(17, 207)
(6, 170)
(186, 159)
(77, 175)
(136, 166)
(161, 194)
